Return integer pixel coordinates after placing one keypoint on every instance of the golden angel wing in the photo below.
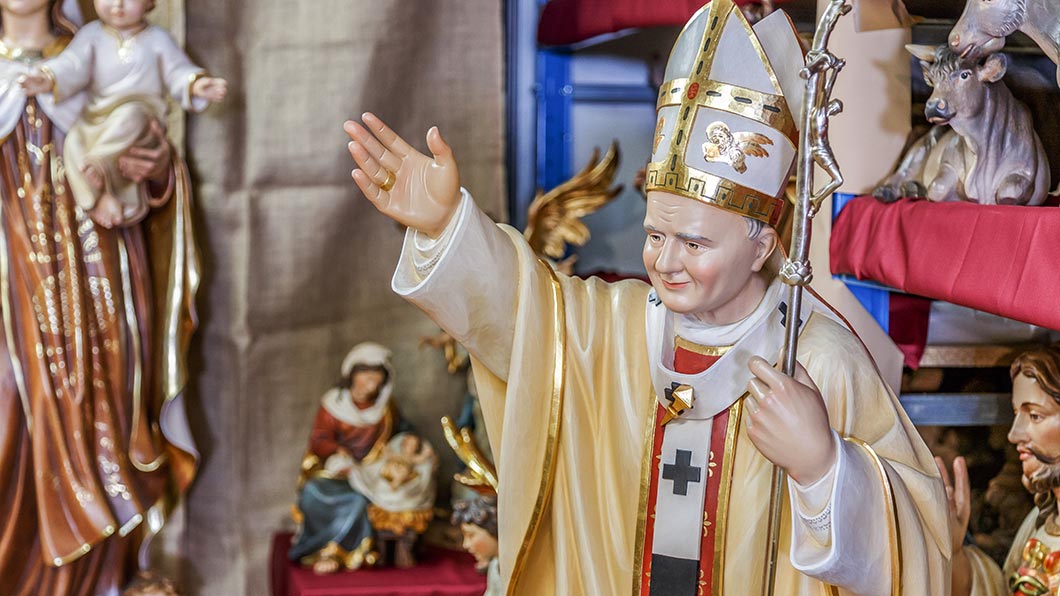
(554, 217)
(456, 357)
(480, 474)
(751, 143)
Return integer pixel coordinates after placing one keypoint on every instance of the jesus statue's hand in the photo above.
(212, 89)
(788, 422)
(414, 190)
(958, 493)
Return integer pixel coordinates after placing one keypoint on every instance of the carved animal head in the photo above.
(960, 85)
(984, 24)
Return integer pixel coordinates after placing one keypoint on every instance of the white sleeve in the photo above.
(178, 71)
(840, 529)
(338, 463)
(466, 281)
(71, 70)
(813, 502)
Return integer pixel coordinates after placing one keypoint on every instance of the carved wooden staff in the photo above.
(820, 73)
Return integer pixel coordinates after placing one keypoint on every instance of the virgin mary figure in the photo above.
(95, 325)
(356, 430)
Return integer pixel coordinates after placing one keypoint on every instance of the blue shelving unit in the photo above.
(555, 97)
(876, 298)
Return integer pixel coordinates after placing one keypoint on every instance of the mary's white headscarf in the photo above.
(338, 402)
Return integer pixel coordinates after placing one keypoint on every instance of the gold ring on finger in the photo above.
(391, 178)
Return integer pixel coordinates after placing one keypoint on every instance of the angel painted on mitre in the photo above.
(730, 147)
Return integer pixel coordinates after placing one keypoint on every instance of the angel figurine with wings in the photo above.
(554, 217)
(730, 147)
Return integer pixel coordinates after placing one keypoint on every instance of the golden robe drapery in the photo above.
(564, 382)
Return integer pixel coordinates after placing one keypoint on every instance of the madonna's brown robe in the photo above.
(92, 367)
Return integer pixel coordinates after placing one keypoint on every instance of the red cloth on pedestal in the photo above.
(1000, 259)
(570, 21)
(440, 572)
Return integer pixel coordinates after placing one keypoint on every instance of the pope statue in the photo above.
(636, 427)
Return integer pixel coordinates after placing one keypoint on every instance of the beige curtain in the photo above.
(297, 262)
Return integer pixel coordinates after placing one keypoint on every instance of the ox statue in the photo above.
(984, 24)
(988, 153)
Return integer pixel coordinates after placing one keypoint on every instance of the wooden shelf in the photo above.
(958, 409)
(972, 356)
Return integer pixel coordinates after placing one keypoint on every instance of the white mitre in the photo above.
(726, 133)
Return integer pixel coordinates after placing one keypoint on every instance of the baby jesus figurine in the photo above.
(127, 67)
(400, 467)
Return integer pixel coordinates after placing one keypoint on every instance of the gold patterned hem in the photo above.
(399, 522)
(732, 430)
(544, 492)
(645, 490)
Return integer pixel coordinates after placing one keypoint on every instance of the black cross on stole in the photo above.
(682, 472)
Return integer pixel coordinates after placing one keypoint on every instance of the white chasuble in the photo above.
(564, 373)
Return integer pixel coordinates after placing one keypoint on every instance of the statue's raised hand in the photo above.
(414, 190)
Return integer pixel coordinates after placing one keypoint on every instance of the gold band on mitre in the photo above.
(714, 190)
(767, 108)
(718, 141)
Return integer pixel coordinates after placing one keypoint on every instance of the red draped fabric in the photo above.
(1000, 259)
(908, 327)
(570, 21)
(439, 572)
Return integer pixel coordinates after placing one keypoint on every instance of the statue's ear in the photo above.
(926, 54)
(993, 68)
(765, 244)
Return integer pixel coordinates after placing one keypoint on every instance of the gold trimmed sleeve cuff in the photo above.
(466, 281)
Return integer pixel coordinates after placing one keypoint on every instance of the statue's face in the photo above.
(24, 8)
(1036, 428)
(719, 136)
(700, 259)
(123, 14)
(366, 385)
(410, 445)
(479, 543)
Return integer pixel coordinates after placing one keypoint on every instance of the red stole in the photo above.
(687, 361)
